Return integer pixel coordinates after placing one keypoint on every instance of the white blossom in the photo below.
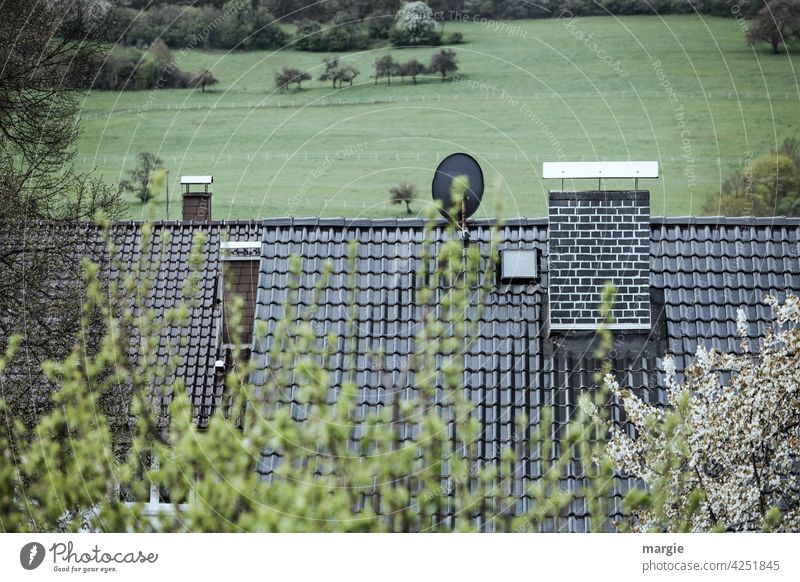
(668, 366)
(416, 17)
(733, 438)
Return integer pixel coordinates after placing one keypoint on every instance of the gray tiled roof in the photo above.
(702, 271)
(190, 349)
(709, 268)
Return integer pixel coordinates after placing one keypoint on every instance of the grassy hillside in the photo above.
(531, 93)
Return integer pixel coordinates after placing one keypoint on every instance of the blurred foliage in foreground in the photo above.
(413, 465)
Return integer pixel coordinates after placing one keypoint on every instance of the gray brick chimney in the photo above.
(595, 237)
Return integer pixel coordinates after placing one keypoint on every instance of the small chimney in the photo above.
(196, 204)
(240, 270)
(597, 237)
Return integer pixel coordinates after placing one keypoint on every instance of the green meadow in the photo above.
(684, 90)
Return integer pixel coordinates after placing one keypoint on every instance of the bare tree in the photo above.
(139, 181)
(45, 66)
(403, 194)
(385, 66)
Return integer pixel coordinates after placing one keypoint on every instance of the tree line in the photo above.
(442, 63)
(346, 25)
(131, 69)
(298, 10)
(245, 25)
(236, 24)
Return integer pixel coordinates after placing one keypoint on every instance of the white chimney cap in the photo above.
(577, 170)
(197, 179)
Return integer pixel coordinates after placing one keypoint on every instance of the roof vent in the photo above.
(196, 205)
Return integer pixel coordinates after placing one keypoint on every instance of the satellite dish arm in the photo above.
(464, 231)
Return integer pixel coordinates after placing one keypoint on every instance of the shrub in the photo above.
(203, 79)
(129, 69)
(718, 458)
(343, 33)
(117, 71)
(455, 38)
(769, 185)
(158, 70)
(65, 478)
(414, 26)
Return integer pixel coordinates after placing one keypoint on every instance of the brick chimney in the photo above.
(594, 237)
(196, 204)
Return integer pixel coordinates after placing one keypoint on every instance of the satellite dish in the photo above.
(464, 171)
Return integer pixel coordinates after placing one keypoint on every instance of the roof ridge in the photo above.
(726, 220)
(175, 222)
(417, 222)
(414, 222)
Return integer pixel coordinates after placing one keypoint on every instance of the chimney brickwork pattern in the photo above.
(595, 237)
(197, 207)
(242, 277)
